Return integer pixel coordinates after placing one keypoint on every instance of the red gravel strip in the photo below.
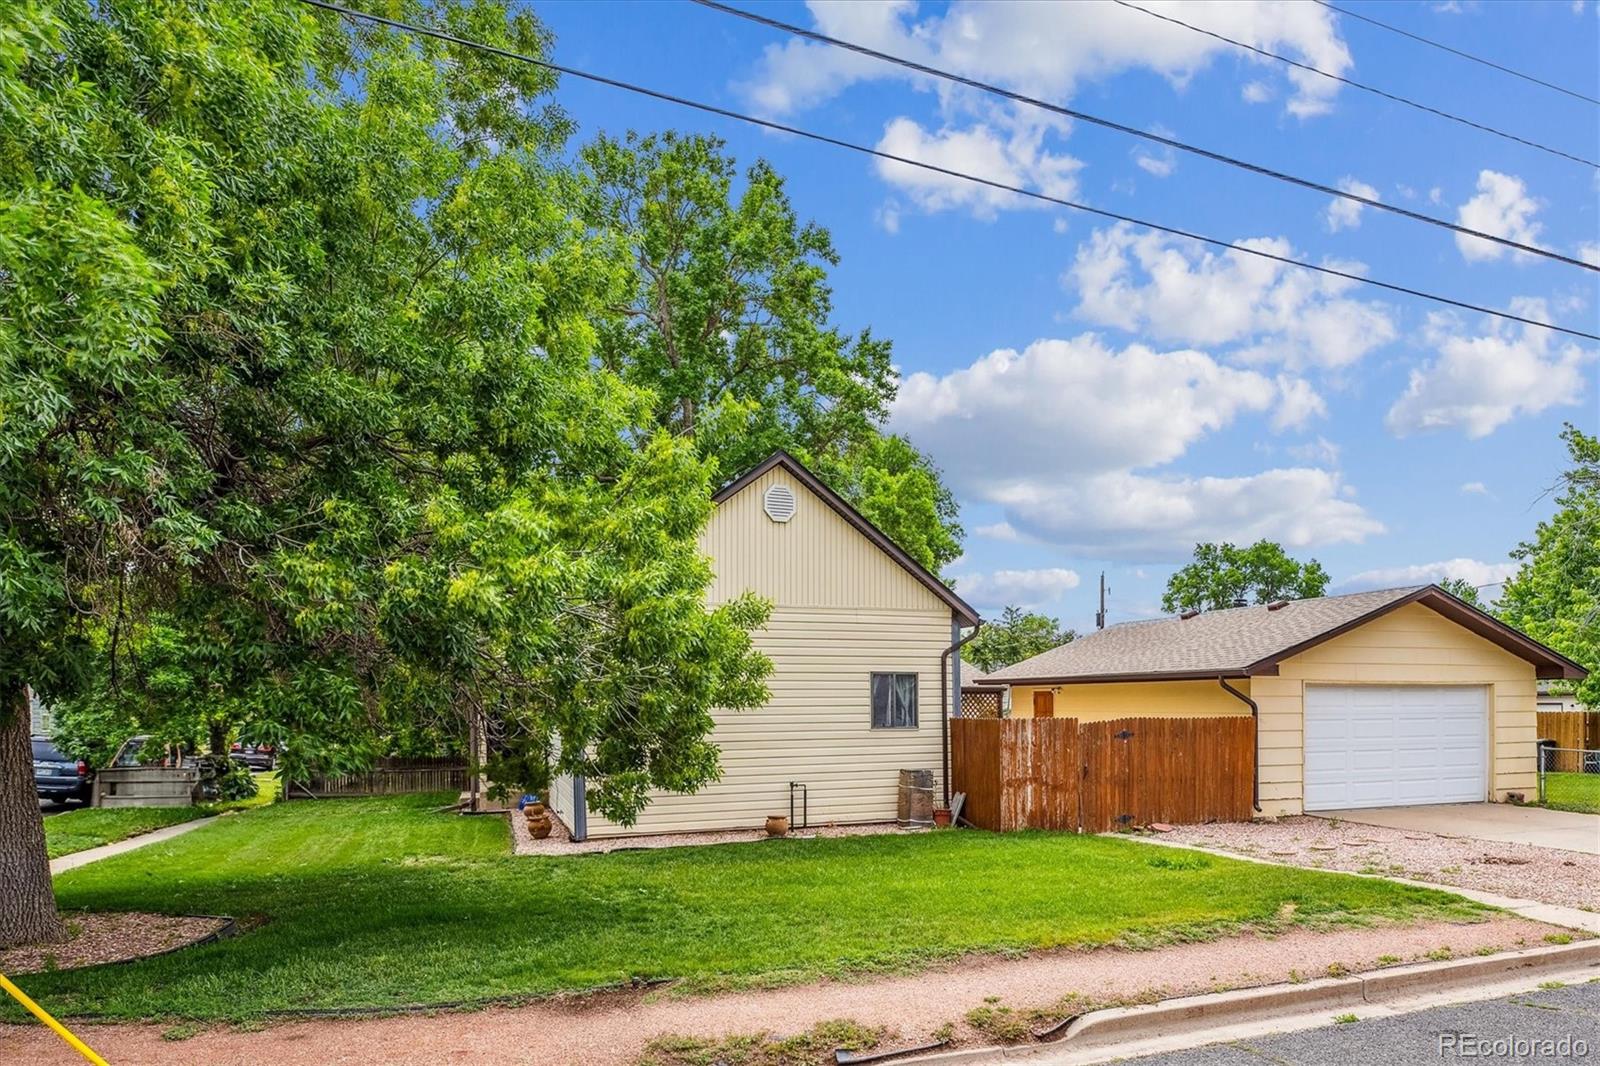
(101, 938)
(612, 1030)
(1521, 871)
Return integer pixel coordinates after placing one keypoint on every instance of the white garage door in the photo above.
(1389, 745)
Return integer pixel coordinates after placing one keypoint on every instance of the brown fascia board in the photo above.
(958, 607)
(1548, 663)
(1102, 679)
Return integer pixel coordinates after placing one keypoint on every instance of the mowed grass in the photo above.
(90, 827)
(1572, 792)
(379, 903)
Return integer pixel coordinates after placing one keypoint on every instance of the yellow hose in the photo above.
(44, 1016)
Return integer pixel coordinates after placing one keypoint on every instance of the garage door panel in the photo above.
(1386, 745)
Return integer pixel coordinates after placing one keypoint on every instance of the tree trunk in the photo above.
(28, 901)
(219, 738)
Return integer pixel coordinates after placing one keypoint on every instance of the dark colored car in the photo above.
(255, 756)
(57, 777)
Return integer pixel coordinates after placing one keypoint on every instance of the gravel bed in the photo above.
(1523, 871)
(95, 939)
(560, 843)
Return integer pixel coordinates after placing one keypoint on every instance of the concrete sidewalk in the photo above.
(105, 851)
(1503, 822)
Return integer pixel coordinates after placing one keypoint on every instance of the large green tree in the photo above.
(298, 345)
(728, 322)
(1223, 575)
(1016, 635)
(1554, 596)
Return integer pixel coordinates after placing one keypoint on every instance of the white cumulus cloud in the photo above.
(1061, 435)
(1474, 488)
(1472, 571)
(1502, 207)
(1019, 588)
(1131, 515)
(1346, 214)
(1173, 290)
(1479, 382)
(1046, 49)
(998, 531)
(1011, 156)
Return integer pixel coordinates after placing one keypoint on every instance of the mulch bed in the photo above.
(96, 939)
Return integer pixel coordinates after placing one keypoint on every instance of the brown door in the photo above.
(1044, 704)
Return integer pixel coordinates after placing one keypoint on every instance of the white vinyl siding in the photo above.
(1393, 745)
(842, 611)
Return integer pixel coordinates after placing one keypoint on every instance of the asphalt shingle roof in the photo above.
(1224, 641)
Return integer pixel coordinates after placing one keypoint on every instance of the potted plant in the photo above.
(941, 816)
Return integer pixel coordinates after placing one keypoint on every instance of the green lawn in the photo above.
(372, 903)
(90, 827)
(1572, 792)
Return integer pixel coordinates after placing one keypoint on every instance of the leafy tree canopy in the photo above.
(1016, 635)
(727, 321)
(1555, 595)
(1463, 590)
(1223, 575)
(299, 325)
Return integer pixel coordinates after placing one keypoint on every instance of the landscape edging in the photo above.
(1211, 1010)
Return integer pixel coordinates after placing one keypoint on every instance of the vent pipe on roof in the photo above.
(1277, 605)
(1192, 612)
(1240, 601)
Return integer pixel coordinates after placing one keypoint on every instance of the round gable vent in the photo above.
(778, 502)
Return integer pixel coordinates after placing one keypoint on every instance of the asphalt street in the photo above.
(1480, 1032)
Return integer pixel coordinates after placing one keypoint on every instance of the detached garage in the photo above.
(1375, 699)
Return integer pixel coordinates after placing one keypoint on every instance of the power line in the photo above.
(1457, 52)
(1359, 85)
(822, 138)
(1084, 116)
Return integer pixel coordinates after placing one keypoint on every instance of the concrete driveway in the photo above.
(1502, 822)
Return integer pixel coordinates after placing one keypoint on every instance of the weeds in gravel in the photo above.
(1388, 960)
(1344, 1019)
(811, 1048)
(1558, 938)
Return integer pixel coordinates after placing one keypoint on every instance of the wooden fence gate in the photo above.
(1059, 773)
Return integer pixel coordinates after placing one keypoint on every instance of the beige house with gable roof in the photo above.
(860, 639)
(1395, 697)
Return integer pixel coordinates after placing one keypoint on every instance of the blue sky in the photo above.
(1100, 397)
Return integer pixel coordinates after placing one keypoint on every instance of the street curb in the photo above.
(1337, 994)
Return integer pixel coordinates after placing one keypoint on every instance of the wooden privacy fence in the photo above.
(390, 777)
(1571, 729)
(1059, 773)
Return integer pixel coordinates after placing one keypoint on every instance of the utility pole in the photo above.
(1100, 615)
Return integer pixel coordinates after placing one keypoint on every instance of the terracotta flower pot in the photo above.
(538, 820)
(777, 825)
(941, 816)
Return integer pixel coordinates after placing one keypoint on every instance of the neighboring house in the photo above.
(981, 697)
(857, 636)
(43, 723)
(1400, 696)
(1558, 701)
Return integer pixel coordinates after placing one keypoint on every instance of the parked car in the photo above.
(58, 777)
(255, 756)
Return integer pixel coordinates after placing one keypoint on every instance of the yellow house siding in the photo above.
(843, 610)
(817, 727)
(1097, 702)
(816, 559)
(1410, 645)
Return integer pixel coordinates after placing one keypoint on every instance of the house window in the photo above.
(894, 701)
